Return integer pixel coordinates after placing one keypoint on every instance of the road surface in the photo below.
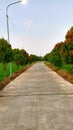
(38, 99)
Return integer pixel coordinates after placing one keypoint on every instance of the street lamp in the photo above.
(7, 18)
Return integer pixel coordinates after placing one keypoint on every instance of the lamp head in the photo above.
(24, 1)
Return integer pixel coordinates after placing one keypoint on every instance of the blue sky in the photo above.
(38, 25)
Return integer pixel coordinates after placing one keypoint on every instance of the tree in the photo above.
(68, 47)
(56, 59)
(18, 57)
(62, 53)
(26, 56)
(6, 53)
(35, 58)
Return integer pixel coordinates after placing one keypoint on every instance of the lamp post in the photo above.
(7, 19)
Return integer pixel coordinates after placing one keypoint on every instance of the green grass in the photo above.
(68, 68)
(14, 69)
(1, 72)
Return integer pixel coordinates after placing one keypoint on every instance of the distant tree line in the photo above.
(62, 53)
(20, 57)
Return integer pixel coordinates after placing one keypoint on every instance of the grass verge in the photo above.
(13, 76)
(66, 75)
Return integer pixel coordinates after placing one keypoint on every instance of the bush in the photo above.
(70, 69)
(56, 60)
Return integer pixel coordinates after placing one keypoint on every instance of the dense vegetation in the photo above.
(13, 58)
(62, 54)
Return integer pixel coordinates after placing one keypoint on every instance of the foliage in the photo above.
(56, 60)
(26, 56)
(34, 58)
(14, 69)
(1, 72)
(68, 68)
(18, 57)
(62, 53)
(5, 51)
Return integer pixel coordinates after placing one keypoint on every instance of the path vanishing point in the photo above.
(38, 99)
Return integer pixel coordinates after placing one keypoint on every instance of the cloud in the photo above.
(27, 23)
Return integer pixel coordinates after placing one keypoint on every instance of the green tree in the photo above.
(68, 47)
(62, 53)
(35, 58)
(26, 56)
(6, 53)
(18, 57)
(56, 59)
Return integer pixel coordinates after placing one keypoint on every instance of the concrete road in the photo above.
(38, 99)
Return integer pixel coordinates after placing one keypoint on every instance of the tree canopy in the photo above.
(5, 51)
(63, 51)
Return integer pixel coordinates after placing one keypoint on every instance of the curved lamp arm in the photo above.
(8, 17)
(11, 5)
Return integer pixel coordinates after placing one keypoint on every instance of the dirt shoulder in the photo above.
(67, 76)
